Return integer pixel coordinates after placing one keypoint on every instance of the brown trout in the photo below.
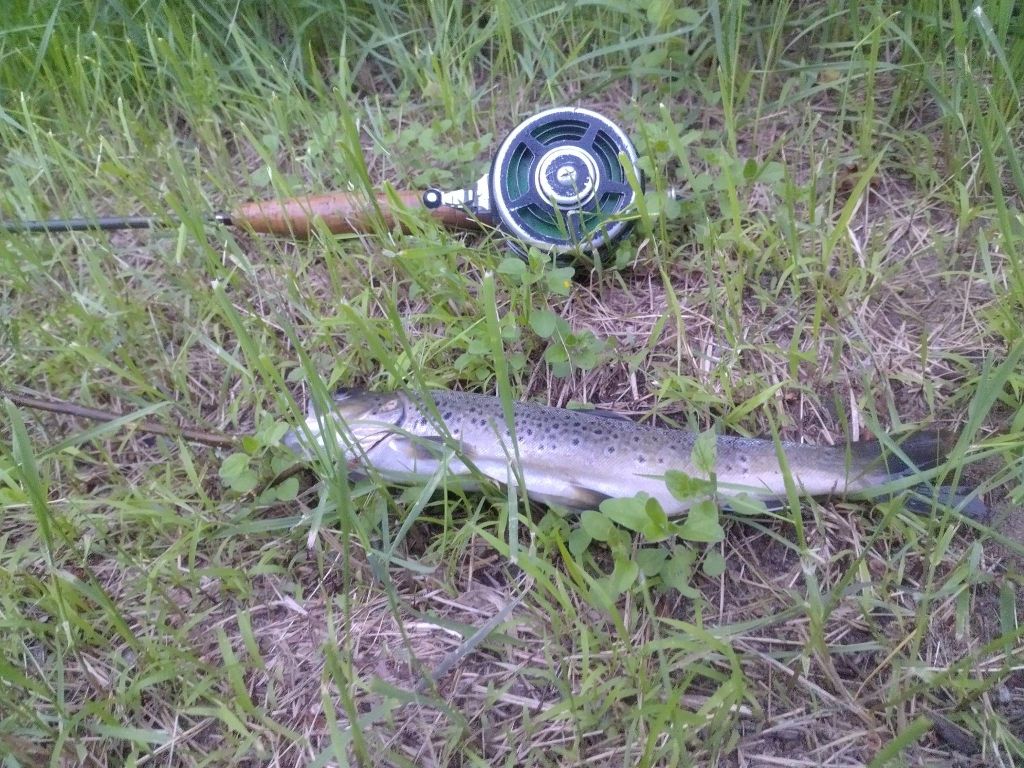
(576, 459)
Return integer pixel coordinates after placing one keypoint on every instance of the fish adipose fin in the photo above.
(924, 450)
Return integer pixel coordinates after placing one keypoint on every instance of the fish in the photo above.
(576, 459)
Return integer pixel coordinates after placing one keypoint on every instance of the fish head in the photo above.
(356, 421)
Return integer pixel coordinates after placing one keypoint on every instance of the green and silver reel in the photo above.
(558, 182)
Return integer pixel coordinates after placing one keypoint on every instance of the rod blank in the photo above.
(104, 223)
(340, 213)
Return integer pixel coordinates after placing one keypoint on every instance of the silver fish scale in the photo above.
(579, 458)
(546, 428)
(578, 437)
(575, 458)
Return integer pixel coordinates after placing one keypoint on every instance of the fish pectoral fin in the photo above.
(566, 494)
(421, 447)
(541, 484)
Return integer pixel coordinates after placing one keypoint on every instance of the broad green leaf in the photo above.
(596, 525)
(750, 169)
(513, 265)
(585, 358)
(659, 13)
(702, 523)
(282, 461)
(578, 542)
(234, 465)
(684, 487)
(556, 354)
(288, 490)
(543, 322)
(553, 523)
(744, 504)
(559, 281)
(243, 482)
(620, 542)
(771, 172)
(657, 527)
(650, 560)
(689, 16)
(274, 432)
(704, 451)
(630, 513)
(677, 571)
(623, 575)
(714, 564)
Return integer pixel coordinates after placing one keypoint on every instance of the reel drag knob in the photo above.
(557, 182)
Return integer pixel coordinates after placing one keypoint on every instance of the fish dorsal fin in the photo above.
(605, 414)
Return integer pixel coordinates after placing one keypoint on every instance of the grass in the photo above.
(847, 260)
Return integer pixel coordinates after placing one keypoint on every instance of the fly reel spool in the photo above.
(557, 182)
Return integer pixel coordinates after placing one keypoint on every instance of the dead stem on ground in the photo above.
(902, 345)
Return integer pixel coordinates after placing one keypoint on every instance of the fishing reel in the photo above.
(558, 182)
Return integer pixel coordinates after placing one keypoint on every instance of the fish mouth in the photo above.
(359, 422)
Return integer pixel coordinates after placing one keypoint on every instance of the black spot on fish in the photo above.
(610, 450)
(641, 459)
(575, 441)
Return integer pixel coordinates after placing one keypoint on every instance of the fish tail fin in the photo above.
(922, 450)
(926, 449)
(923, 498)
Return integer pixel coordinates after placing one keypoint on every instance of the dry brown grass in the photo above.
(258, 631)
(808, 707)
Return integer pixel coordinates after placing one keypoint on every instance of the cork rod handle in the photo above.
(340, 212)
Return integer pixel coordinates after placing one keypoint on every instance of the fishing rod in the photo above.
(52, 405)
(560, 182)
